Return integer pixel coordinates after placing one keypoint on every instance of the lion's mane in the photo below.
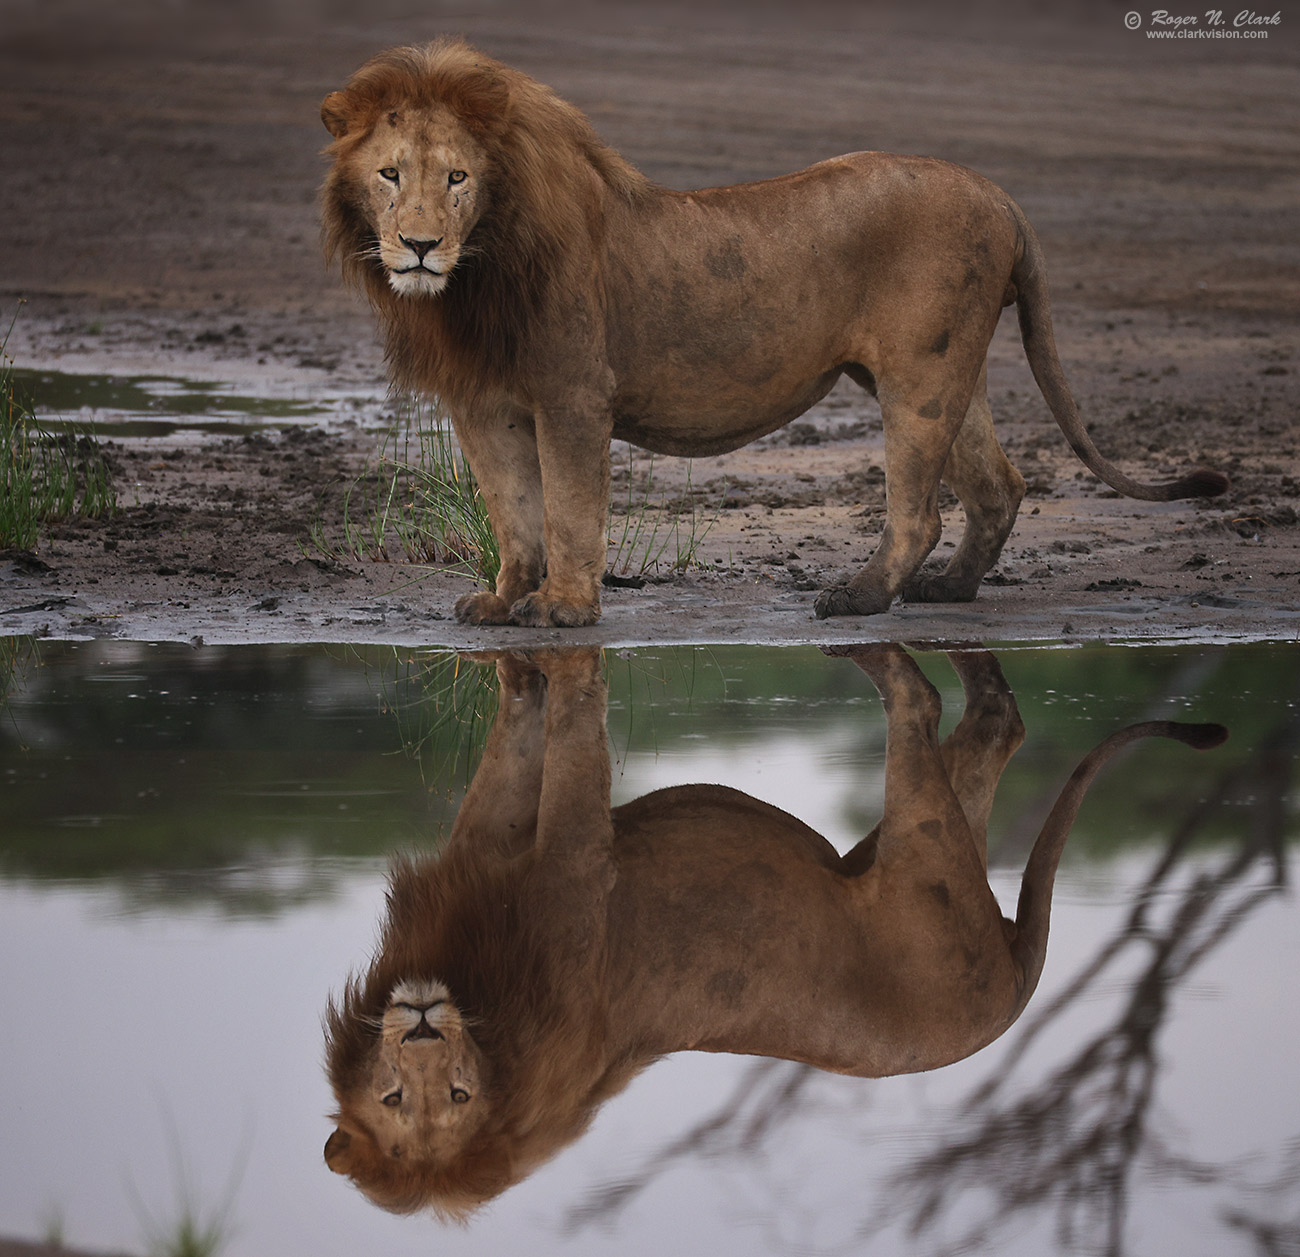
(548, 177)
(466, 923)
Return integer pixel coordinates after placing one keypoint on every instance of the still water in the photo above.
(193, 853)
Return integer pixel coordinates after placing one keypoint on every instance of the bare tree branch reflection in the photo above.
(1273, 1237)
(766, 1096)
(1068, 1148)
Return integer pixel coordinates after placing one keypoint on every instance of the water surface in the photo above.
(192, 855)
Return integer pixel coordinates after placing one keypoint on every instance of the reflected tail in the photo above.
(1033, 913)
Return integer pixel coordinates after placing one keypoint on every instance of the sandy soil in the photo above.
(159, 205)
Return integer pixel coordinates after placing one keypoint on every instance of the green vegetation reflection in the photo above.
(249, 779)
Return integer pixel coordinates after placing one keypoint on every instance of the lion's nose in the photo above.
(420, 247)
(422, 1031)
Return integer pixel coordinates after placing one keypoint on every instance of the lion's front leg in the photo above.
(573, 819)
(499, 811)
(573, 446)
(501, 446)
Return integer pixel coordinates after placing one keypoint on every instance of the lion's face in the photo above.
(422, 1101)
(418, 177)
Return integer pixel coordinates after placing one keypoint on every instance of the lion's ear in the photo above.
(336, 1151)
(334, 114)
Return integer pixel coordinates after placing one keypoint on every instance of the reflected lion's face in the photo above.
(419, 177)
(421, 1102)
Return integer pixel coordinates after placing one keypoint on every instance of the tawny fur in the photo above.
(551, 298)
(583, 943)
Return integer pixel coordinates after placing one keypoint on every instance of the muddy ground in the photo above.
(158, 205)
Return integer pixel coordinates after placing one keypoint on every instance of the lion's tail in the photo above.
(1030, 278)
(1033, 914)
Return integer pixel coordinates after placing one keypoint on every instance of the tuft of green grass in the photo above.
(188, 1236)
(45, 477)
(190, 1231)
(658, 532)
(419, 503)
(53, 1226)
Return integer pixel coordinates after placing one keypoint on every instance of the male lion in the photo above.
(552, 297)
(556, 947)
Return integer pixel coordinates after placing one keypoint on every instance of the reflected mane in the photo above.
(548, 179)
(460, 919)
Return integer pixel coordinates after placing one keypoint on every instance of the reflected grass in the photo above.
(235, 779)
(443, 704)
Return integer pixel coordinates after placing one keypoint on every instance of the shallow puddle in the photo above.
(193, 846)
(151, 405)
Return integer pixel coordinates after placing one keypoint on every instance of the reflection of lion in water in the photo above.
(556, 947)
(552, 297)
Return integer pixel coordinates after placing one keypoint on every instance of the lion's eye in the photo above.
(459, 1095)
(389, 173)
(457, 176)
(392, 1099)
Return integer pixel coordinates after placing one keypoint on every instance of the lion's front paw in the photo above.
(845, 600)
(937, 587)
(537, 610)
(482, 607)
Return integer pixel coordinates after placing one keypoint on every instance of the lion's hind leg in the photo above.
(977, 751)
(921, 419)
(974, 754)
(925, 851)
(990, 490)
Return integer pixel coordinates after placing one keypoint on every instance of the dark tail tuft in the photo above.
(1203, 482)
(1198, 737)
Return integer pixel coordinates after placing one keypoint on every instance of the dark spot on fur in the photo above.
(726, 262)
(933, 409)
(940, 345)
(727, 986)
(931, 829)
(940, 891)
(392, 118)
